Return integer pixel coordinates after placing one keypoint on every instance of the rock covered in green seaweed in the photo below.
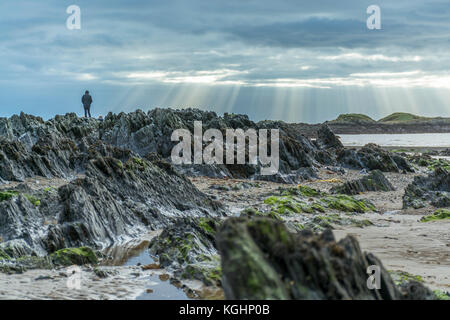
(348, 204)
(308, 200)
(15, 259)
(74, 256)
(189, 248)
(374, 181)
(7, 194)
(440, 214)
(261, 259)
(3, 255)
(429, 162)
(373, 157)
(433, 189)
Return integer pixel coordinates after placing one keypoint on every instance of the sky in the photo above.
(291, 60)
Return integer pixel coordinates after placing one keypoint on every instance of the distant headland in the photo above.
(396, 123)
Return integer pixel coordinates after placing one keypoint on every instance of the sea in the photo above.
(430, 140)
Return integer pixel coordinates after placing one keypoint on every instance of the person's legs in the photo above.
(89, 111)
(85, 112)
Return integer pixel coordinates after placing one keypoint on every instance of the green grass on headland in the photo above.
(397, 117)
(354, 117)
(401, 117)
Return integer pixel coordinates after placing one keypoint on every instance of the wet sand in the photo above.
(402, 243)
(53, 284)
(121, 278)
(397, 237)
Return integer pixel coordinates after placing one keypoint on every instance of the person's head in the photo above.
(87, 92)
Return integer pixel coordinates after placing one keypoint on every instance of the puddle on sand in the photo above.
(156, 288)
(136, 253)
(139, 258)
(391, 212)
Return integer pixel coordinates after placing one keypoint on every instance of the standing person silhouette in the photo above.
(87, 101)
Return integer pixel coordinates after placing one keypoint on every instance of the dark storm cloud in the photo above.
(253, 43)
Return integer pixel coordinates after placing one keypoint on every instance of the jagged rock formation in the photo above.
(151, 132)
(184, 241)
(189, 248)
(262, 260)
(428, 162)
(59, 147)
(62, 146)
(326, 138)
(119, 177)
(113, 200)
(435, 189)
(373, 157)
(374, 181)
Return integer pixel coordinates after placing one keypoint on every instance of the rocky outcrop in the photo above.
(151, 132)
(59, 147)
(121, 198)
(326, 139)
(74, 256)
(429, 162)
(374, 181)
(373, 157)
(45, 160)
(112, 201)
(433, 189)
(304, 199)
(111, 192)
(120, 181)
(62, 146)
(28, 129)
(189, 248)
(262, 260)
(185, 241)
(362, 124)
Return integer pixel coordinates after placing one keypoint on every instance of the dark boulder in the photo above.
(373, 157)
(326, 139)
(74, 256)
(188, 248)
(186, 241)
(414, 290)
(374, 181)
(433, 189)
